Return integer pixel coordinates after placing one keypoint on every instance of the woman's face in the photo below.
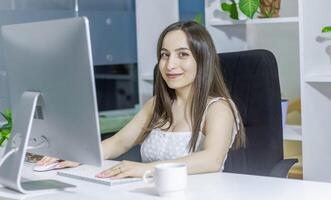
(177, 64)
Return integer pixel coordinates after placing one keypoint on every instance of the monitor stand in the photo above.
(17, 145)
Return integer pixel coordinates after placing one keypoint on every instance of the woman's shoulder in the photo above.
(150, 101)
(218, 113)
(149, 105)
(217, 100)
(217, 106)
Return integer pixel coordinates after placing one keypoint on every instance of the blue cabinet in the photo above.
(113, 30)
(113, 36)
(112, 24)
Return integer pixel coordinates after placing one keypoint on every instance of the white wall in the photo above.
(152, 16)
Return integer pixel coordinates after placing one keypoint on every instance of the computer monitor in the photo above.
(53, 97)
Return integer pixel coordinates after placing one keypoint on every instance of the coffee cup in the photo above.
(170, 179)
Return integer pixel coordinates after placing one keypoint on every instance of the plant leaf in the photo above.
(326, 29)
(231, 8)
(249, 7)
(4, 116)
(198, 18)
(5, 130)
(5, 133)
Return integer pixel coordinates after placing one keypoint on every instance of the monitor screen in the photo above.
(53, 60)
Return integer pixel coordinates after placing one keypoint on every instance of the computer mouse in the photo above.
(43, 168)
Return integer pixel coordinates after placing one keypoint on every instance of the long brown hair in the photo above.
(208, 82)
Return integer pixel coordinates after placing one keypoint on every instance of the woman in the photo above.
(191, 119)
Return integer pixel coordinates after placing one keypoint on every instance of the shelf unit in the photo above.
(318, 78)
(292, 132)
(303, 54)
(218, 22)
(279, 35)
(315, 65)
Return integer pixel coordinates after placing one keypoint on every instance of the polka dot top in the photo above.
(164, 145)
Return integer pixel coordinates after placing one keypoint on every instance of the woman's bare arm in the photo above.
(127, 137)
(218, 129)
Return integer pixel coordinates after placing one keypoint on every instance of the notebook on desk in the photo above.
(87, 173)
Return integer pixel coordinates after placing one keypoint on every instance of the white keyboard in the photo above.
(87, 173)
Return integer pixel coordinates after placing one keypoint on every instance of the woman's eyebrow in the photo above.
(182, 48)
(178, 49)
(164, 49)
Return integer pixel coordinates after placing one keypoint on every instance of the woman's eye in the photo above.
(183, 54)
(164, 55)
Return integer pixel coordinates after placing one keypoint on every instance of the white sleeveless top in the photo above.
(164, 145)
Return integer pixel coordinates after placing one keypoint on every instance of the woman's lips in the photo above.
(173, 76)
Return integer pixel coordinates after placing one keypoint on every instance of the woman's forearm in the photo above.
(127, 137)
(113, 147)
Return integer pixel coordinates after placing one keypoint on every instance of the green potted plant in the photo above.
(5, 129)
(266, 8)
(198, 18)
(326, 29)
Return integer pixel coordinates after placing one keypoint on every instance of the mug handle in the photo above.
(146, 175)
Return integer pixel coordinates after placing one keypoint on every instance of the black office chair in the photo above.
(252, 78)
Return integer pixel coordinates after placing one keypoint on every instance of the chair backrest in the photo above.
(252, 78)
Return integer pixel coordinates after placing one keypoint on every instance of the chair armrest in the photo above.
(282, 168)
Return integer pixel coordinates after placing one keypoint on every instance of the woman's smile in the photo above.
(173, 75)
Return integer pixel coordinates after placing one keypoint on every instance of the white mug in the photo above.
(170, 178)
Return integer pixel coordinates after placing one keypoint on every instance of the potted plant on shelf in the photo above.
(5, 129)
(266, 8)
(198, 18)
(326, 29)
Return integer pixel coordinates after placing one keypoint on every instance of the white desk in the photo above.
(205, 186)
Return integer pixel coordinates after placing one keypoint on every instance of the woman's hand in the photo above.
(125, 169)
(61, 163)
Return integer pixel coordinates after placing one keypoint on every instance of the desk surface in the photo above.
(204, 186)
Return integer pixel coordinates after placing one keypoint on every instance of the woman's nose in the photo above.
(172, 63)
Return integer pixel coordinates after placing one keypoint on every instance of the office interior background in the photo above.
(124, 35)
